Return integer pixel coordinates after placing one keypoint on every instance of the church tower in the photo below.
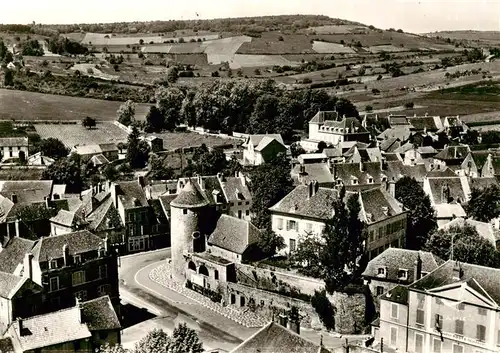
(186, 234)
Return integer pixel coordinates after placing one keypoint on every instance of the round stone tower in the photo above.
(185, 227)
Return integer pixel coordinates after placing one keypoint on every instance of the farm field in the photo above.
(109, 39)
(337, 29)
(75, 134)
(325, 47)
(241, 60)
(21, 174)
(175, 140)
(23, 105)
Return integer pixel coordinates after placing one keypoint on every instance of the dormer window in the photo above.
(370, 180)
(403, 274)
(52, 264)
(384, 178)
(354, 181)
(77, 259)
(381, 272)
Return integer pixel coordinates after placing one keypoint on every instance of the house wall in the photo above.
(249, 154)
(5, 314)
(100, 338)
(137, 228)
(390, 325)
(270, 151)
(226, 254)
(223, 273)
(243, 206)
(313, 131)
(13, 152)
(280, 223)
(57, 229)
(64, 297)
(390, 232)
(470, 316)
(81, 346)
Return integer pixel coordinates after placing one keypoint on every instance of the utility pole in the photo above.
(381, 344)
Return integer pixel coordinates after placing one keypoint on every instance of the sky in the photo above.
(410, 15)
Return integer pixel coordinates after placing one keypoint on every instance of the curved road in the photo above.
(168, 308)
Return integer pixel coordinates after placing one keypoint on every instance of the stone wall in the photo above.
(279, 280)
(284, 290)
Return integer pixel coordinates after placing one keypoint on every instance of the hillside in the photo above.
(488, 37)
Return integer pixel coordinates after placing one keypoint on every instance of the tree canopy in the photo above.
(468, 246)
(88, 122)
(183, 340)
(422, 218)
(126, 113)
(484, 204)
(137, 150)
(269, 183)
(66, 170)
(206, 162)
(52, 147)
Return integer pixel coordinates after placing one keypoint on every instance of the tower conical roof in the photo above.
(189, 197)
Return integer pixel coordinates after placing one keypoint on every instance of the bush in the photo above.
(281, 39)
(375, 91)
(409, 105)
(324, 309)
(368, 108)
(379, 77)
(307, 80)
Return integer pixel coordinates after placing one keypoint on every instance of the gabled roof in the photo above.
(372, 203)
(99, 159)
(429, 123)
(190, 197)
(298, 202)
(104, 217)
(398, 294)
(39, 159)
(6, 206)
(274, 338)
(267, 141)
(426, 150)
(49, 329)
(13, 253)
(443, 187)
(131, 194)
(397, 120)
(445, 172)
(483, 182)
(332, 152)
(353, 124)
(313, 171)
(209, 187)
(394, 259)
(390, 144)
(321, 116)
(14, 142)
(401, 133)
(453, 153)
(99, 314)
(77, 242)
(27, 191)
(256, 139)
(485, 230)
(234, 234)
(234, 188)
(95, 148)
(9, 284)
(486, 277)
(68, 219)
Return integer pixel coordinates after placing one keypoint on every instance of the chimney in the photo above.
(418, 268)
(21, 328)
(28, 266)
(106, 244)
(392, 188)
(283, 320)
(383, 164)
(385, 210)
(361, 166)
(13, 198)
(200, 181)
(294, 320)
(242, 178)
(65, 250)
(457, 271)
(140, 180)
(79, 306)
(310, 189)
(302, 169)
(114, 194)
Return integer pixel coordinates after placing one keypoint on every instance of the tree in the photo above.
(172, 75)
(169, 104)
(270, 242)
(52, 147)
(22, 157)
(185, 340)
(137, 150)
(3, 50)
(269, 183)
(8, 58)
(32, 48)
(126, 113)
(484, 204)
(264, 114)
(321, 146)
(467, 246)
(110, 173)
(67, 171)
(308, 254)
(88, 122)
(155, 121)
(205, 162)
(8, 78)
(422, 218)
(296, 149)
(324, 308)
(355, 239)
(156, 341)
(158, 170)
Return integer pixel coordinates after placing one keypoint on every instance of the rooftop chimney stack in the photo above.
(14, 198)
(65, 250)
(392, 188)
(283, 320)
(457, 271)
(28, 266)
(361, 166)
(418, 268)
(140, 180)
(21, 328)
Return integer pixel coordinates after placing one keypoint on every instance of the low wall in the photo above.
(267, 279)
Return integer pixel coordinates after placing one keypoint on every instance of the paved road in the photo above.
(166, 308)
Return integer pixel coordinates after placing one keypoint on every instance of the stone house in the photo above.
(14, 147)
(108, 150)
(397, 266)
(81, 328)
(452, 309)
(260, 149)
